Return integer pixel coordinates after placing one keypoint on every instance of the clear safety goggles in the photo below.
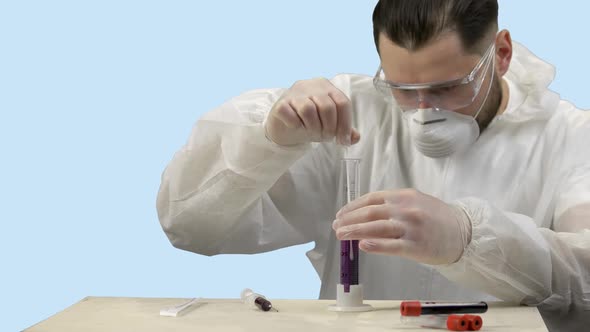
(449, 95)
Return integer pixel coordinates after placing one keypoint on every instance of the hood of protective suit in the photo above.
(528, 78)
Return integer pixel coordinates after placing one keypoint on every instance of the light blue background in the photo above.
(96, 96)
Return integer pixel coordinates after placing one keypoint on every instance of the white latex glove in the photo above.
(406, 223)
(311, 111)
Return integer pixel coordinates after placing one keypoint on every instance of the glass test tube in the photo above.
(349, 250)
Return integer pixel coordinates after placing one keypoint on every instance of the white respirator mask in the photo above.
(438, 131)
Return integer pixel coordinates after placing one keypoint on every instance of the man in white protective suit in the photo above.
(477, 175)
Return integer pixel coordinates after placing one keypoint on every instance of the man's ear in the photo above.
(503, 52)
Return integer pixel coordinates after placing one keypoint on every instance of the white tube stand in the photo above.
(349, 302)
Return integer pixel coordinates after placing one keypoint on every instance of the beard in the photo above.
(491, 106)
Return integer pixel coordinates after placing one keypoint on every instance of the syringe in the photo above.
(256, 301)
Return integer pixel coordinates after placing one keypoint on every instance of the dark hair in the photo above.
(412, 24)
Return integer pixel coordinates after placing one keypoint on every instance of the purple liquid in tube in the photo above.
(349, 264)
(349, 249)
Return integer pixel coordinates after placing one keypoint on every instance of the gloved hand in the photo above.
(311, 111)
(406, 223)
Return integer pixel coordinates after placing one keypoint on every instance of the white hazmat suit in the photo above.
(231, 190)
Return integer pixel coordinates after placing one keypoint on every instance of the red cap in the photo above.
(411, 308)
(457, 323)
(475, 322)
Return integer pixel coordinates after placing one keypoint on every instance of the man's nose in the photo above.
(423, 101)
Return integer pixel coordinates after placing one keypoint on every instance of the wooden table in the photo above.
(115, 314)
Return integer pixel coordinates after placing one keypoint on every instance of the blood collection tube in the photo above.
(449, 322)
(418, 308)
